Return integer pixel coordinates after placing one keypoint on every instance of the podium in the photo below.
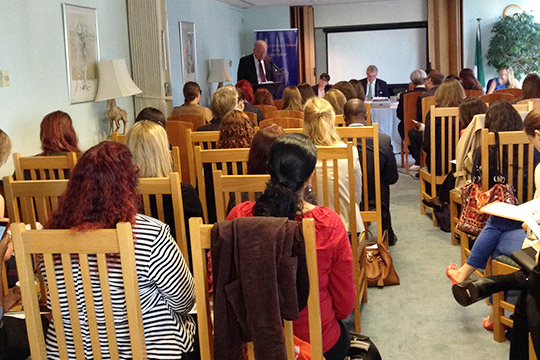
(275, 88)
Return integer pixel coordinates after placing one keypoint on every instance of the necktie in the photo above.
(261, 72)
(369, 94)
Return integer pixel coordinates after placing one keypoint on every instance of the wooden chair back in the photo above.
(200, 244)
(266, 108)
(293, 130)
(61, 250)
(489, 98)
(278, 104)
(195, 119)
(517, 157)
(523, 106)
(409, 114)
(176, 132)
(284, 113)
(230, 161)
(284, 122)
(427, 103)
(340, 121)
(252, 117)
(473, 93)
(119, 138)
(512, 91)
(535, 102)
(227, 186)
(206, 140)
(44, 167)
(368, 114)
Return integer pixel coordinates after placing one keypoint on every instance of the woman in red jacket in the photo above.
(291, 162)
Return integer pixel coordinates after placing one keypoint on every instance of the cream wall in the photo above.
(32, 50)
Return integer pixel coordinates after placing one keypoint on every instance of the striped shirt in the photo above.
(167, 295)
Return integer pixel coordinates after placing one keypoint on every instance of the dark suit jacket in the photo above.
(316, 89)
(247, 70)
(252, 108)
(213, 125)
(419, 103)
(381, 89)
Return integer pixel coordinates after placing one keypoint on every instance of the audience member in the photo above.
(306, 91)
(5, 152)
(236, 131)
(346, 89)
(256, 67)
(322, 87)
(263, 97)
(531, 87)
(336, 99)
(468, 108)
(247, 89)
(418, 79)
(469, 81)
(223, 100)
(319, 120)
(58, 135)
(192, 99)
(283, 197)
(374, 87)
(498, 83)
(247, 107)
(292, 99)
(355, 115)
(102, 192)
(152, 114)
(357, 85)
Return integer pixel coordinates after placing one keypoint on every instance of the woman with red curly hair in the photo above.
(102, 191)
(247, 89)
(236, 131)
(57, 134)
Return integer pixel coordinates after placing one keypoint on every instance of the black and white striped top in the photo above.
(167, 295)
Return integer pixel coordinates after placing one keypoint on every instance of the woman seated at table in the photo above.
(102, 191)
(291, 162)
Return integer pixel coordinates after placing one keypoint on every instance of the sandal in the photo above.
(486, 325)
(451, 267)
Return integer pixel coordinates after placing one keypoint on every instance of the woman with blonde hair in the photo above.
(292, 99)
(319, 119)
(236, 131)
(336, 99)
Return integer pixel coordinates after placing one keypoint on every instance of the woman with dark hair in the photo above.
(531, 87)
(260, 147)
(102, 192)
(192, 99)
(236, 131)
(57, 134)
(347, 89)
(470, 107)
(263, 97)
(357, 85)
(306, 91)
(469, 81)
(153, 115)
(291, 162)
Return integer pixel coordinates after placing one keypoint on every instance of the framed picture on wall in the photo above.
(82, 52)
(189, 54)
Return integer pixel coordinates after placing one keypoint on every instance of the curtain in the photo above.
(445, 35)
(302, 19)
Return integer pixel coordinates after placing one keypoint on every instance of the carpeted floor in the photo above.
(419, 319)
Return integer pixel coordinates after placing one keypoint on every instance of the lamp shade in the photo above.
(218, 71)
(115, 81)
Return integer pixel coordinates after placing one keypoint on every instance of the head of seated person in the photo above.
(336, 99)
(5, 147)
(449, 94)
(260, 147)
(247, 89)
(151, 114)
(57, 134)
(468, 108)
(236, 131)
(354, 112)
(223, 100)
(346, 89)
(531, 87)
(150, 148)
(263, 97)
(418, 77)
(434, 79)
(357, 85)
(501, 116)
(469, 81)
(306, 91)
(292, 99)
(192, 93)
(319, 122)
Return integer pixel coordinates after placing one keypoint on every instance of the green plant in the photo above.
(516, 42)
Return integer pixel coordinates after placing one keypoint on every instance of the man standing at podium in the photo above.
(257, 68)
(374, 87)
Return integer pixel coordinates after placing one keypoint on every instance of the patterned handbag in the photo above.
(471, 220)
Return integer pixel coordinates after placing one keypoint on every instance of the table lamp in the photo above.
(218, 72)
(115, 82)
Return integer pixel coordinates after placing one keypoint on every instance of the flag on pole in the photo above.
(478, 60)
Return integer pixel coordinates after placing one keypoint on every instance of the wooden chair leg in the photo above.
(422, 192)
(498, 327)
(453, 216)
(464, 240)
(433, 194)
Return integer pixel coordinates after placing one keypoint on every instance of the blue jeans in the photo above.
(500, 236)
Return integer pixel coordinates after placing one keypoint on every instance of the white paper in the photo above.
(524, 213)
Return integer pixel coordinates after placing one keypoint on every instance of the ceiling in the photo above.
(263, 3)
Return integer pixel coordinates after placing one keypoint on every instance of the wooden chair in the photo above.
(196, 120)
(535, 102)
(489, 98)
(284, 122)
(278, 104)
(284, 113)
(44, 167)
(65, 243)
(230, 161)
(176, 132)
(368, 114)
(514, 92)
(474, 93)
(293, 130)
(427, 103)
(409, 114)
(523, 106)
(206, 140)
(266, 108)
(252, 117)
(119, 138)
(449, 135)
(340, 121)
(200, 244)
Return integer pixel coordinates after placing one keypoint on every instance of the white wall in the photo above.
(489, 11)
(218, 29)
(32, 50)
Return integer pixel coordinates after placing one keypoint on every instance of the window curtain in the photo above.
(445, 35)
(302, 19)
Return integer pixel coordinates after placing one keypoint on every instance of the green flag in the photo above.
(478, 60)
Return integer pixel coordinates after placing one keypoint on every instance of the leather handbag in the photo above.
(380, 267)
(471, 219)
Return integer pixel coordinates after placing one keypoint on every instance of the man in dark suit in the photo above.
(418, 79)
(355, 115)
(322, 87)
(257, 67)
(374, 87)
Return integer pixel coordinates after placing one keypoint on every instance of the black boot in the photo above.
(470, 291)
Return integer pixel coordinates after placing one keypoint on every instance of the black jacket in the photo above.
(381, 89)
(247, 70)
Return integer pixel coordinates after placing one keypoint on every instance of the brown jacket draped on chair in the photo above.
(260, 277)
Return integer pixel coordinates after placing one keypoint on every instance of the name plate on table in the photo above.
(380, 102)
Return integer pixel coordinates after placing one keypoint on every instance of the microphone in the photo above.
(269, 60)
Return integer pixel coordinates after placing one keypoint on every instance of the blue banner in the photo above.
(283, 49)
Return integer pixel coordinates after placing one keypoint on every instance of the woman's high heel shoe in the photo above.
(451, 267)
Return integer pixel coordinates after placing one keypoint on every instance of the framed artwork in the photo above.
(189, 54)
(82, 52)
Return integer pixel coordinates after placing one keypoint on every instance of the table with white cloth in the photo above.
(385, 115)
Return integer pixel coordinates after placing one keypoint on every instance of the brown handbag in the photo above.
(379, 267)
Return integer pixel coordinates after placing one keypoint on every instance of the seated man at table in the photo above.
(418, 79)
(355, 115)
(374, 87)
